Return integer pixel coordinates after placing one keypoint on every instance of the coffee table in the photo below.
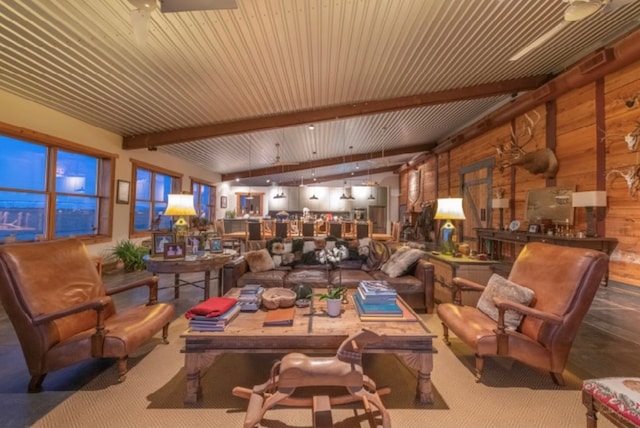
(313, 331)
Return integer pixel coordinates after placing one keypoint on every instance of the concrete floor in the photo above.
(608, 344)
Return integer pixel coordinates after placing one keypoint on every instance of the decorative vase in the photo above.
(334, 307)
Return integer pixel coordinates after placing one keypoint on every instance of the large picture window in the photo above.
(151, 190)
(52, 190)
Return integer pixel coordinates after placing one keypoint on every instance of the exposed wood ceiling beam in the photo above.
(595, 66)
(345, 176)
(318, 163)
(175, 136)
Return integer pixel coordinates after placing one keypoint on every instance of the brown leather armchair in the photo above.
(62, 313)
(564, 280)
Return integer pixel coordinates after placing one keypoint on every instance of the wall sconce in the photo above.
(180, 204)
(590, 200)
(501, 204)
(449, 209)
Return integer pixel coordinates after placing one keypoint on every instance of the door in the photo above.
(378, 216)
(476, 182)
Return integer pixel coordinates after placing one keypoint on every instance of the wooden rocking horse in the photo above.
(299, 370)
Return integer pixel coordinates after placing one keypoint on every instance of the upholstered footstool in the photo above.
(616, 398)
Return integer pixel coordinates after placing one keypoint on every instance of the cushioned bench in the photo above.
(616, 398)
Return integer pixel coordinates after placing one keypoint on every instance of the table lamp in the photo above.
(590, 200)
(180, 204)
(449, 209)
(501, 204)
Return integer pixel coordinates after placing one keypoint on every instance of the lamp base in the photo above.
(181, 229)
(448, 238)
(591, 223)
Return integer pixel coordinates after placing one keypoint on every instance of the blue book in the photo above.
(376, 298)
(389, 309)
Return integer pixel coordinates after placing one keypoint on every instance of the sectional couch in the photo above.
(405, 269)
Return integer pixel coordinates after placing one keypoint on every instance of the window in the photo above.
(51, 189)
(152, 185)
(204, 196)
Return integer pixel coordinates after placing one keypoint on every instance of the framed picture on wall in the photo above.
(223, 202)
(122, 192)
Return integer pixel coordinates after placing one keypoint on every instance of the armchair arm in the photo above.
(151, 282)
(463, 284)
(97, 304)
(424, 271)
(233, 270)
(503, 304)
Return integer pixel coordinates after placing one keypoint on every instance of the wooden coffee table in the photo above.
(313, 331)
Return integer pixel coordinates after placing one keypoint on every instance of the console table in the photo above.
(505, 246)
(206, 264)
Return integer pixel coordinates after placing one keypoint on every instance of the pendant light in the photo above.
(249, 197)
(313, 174)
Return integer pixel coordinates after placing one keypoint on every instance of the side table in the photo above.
(445, 268)
(207, 263)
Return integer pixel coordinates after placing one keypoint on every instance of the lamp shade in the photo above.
(180, 204)
(449, 209)
(500, 203)
(594, 198)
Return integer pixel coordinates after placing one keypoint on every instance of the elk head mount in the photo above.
(541, 162)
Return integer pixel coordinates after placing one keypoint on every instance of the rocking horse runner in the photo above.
(299, 370)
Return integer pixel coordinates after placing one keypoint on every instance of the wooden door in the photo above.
(476, 190)
(378, 216)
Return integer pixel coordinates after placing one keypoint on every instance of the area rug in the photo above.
(511, 394)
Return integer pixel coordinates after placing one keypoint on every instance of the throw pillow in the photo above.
(259, 261)
(379, 253)
(502, 287)
(402, 261)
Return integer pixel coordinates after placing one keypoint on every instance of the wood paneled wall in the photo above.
(577, 145)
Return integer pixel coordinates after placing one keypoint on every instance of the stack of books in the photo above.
(250, 297)
(377, 300)
(206, 323)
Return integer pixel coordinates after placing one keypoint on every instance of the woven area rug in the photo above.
(511, 394)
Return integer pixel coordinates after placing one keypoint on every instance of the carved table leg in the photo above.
(423, 363)
(195, 366)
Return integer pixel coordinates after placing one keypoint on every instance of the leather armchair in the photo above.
(564, 280)
(62, 313)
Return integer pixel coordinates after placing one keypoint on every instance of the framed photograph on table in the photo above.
(174, 250)
(122, 192)
(534, 228)
(216, 245)
(193, 244)
(223, 202)
(160, 239)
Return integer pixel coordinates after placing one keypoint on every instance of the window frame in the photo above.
(213, 194)
(176, 186)
(105, 179)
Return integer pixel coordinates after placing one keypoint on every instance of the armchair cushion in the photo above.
(259, 261)
(401, 261)
(502, 287)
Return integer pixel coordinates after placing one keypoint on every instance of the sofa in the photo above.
(318, 263)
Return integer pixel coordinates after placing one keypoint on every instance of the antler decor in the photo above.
(632, 177)
(539, 162)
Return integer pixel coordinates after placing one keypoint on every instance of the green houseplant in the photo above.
(333, 296)
(130, 254)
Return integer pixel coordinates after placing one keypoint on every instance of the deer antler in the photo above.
(632, 178)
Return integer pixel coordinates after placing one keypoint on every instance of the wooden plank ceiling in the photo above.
(382, 81)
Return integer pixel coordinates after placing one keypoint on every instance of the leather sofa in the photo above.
(416, 287)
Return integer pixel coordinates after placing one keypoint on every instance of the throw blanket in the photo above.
(212, 307)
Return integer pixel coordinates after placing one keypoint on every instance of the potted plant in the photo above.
(130, 254)
(333, 296)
